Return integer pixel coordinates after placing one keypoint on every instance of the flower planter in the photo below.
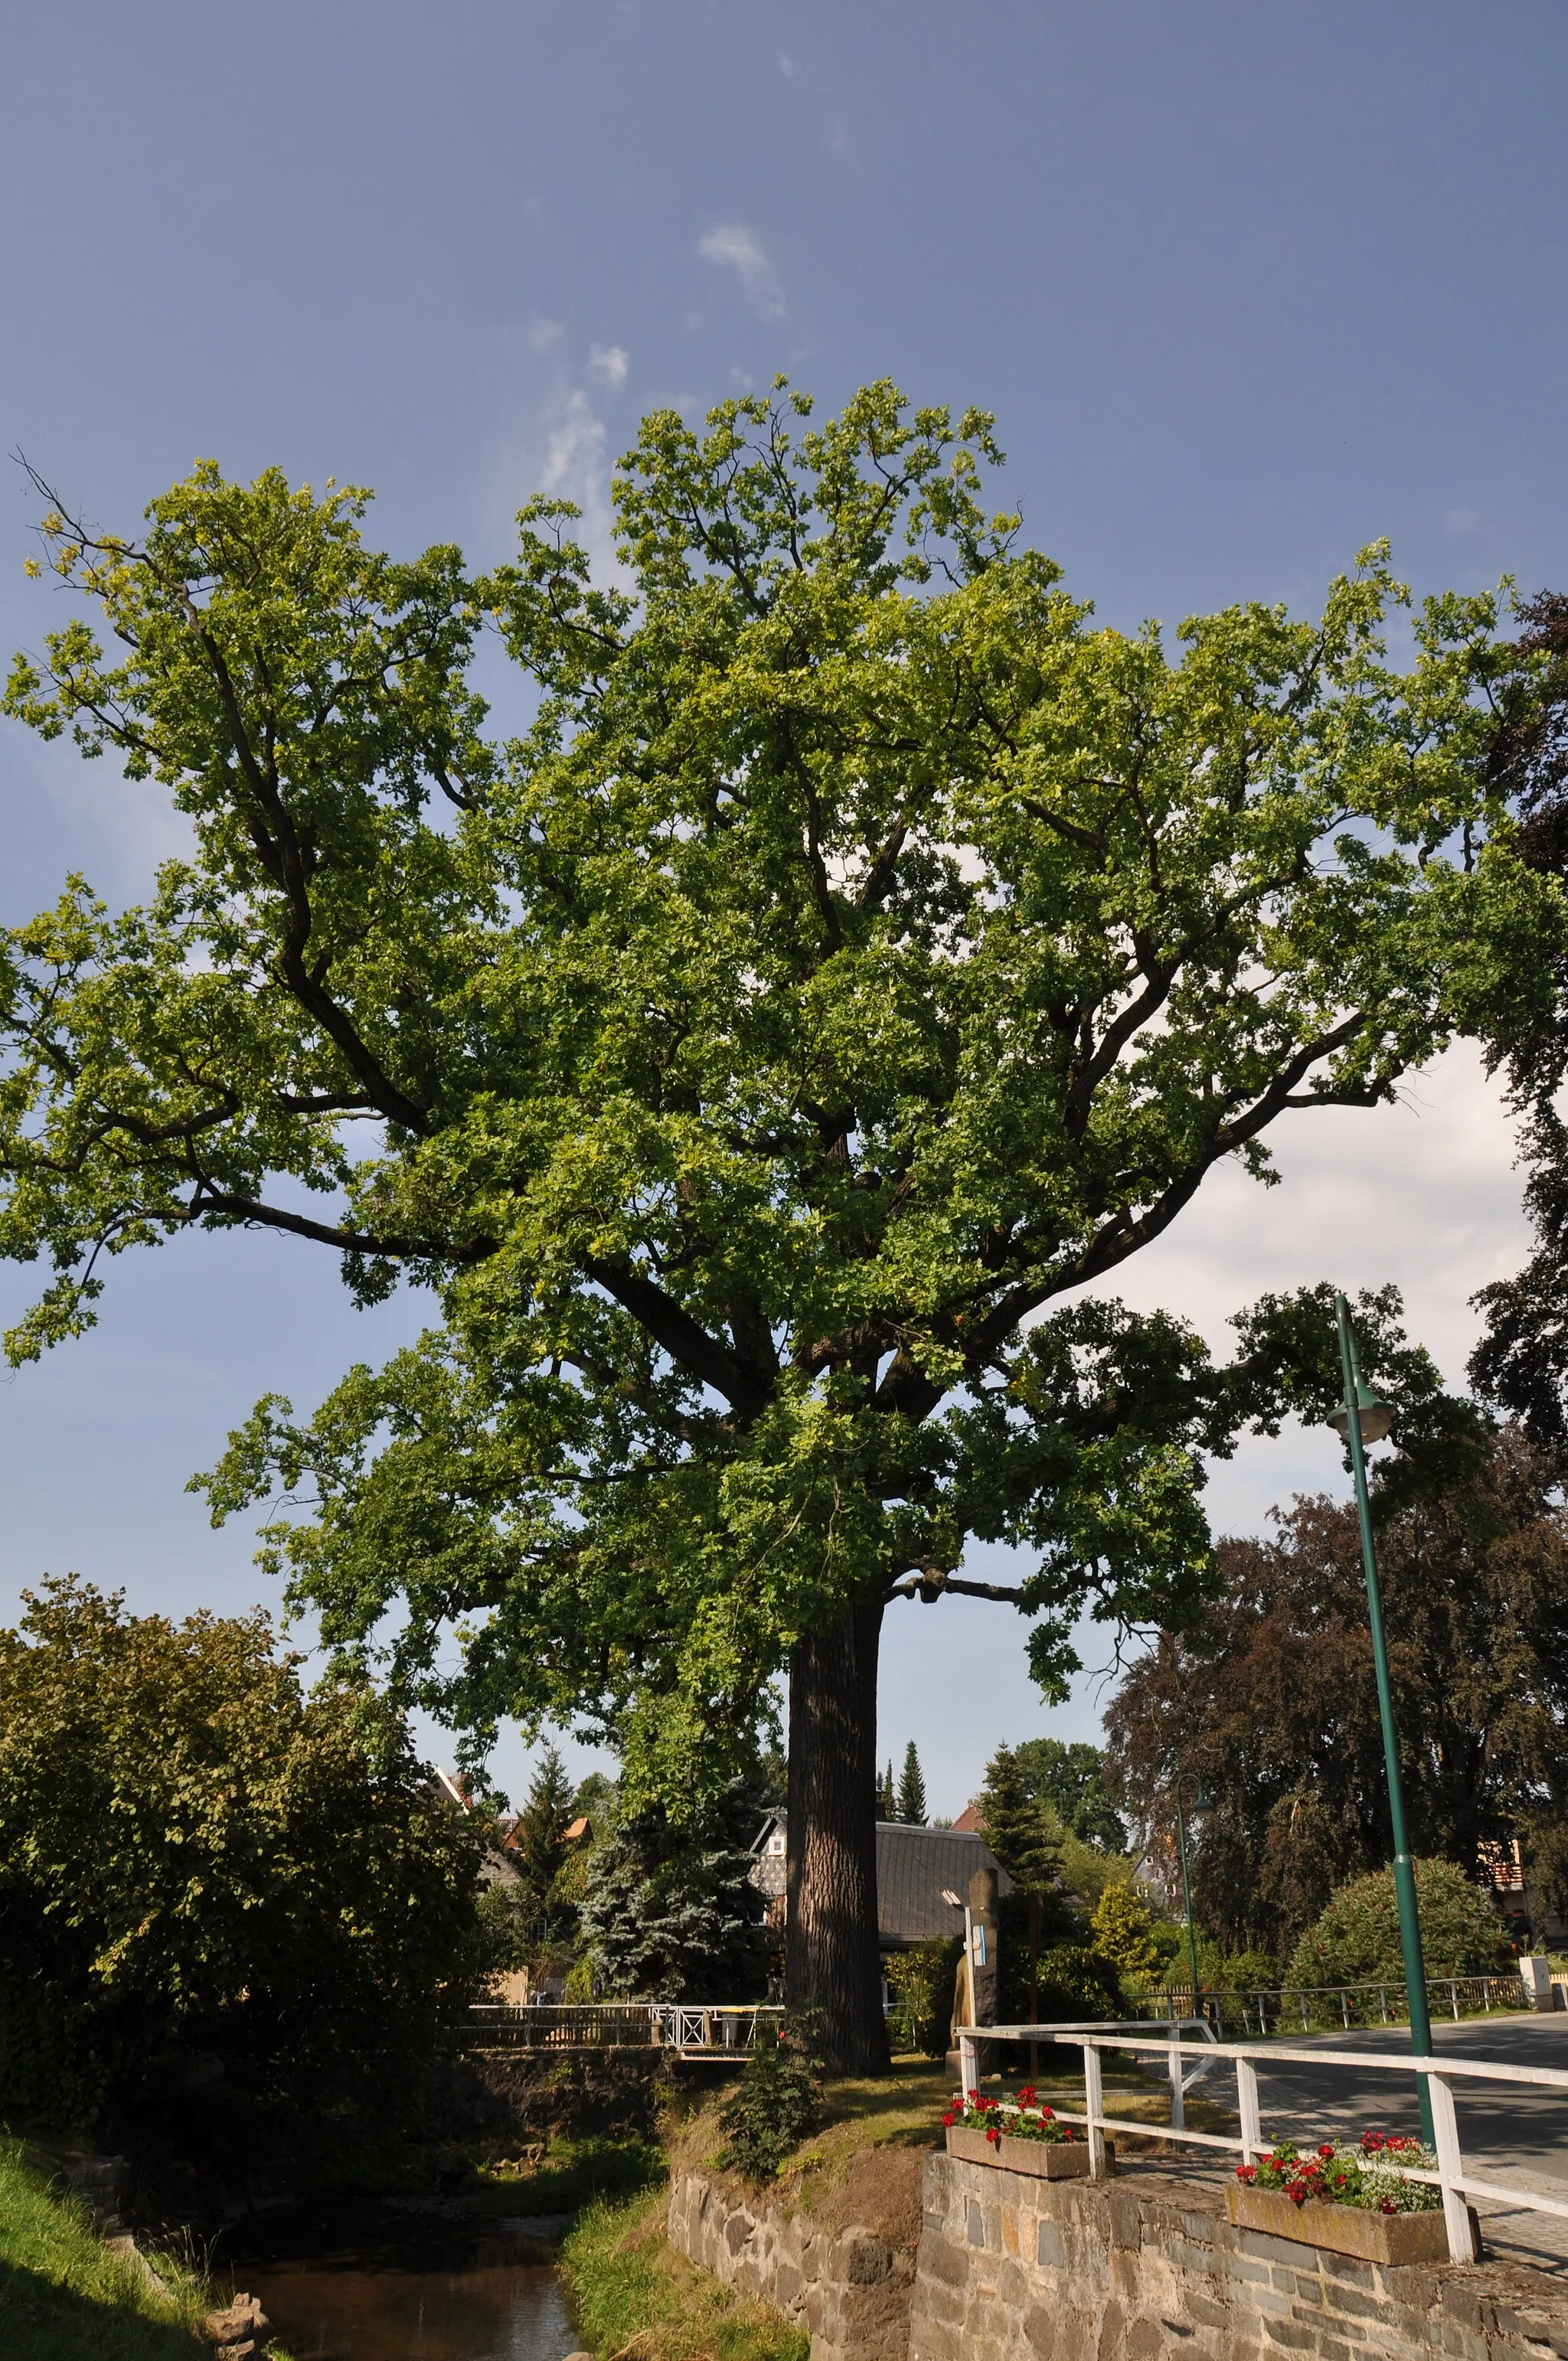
(1343, 2229)
(1041, 2159)
(1051, 2159)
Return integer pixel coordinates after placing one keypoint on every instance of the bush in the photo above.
(1076, 1984)
(778, 2102)
(925, 1978)
(200, 1865)
(1356, 1940)
(1127, 1932)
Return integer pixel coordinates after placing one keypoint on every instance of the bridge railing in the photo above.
(690, 2028)
(1288, 2009)
(1456, 2184)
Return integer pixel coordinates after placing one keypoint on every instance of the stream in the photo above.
(386, 2283)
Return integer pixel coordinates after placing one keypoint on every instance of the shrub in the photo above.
(925, 1978)
(778, 2102)
(1356, 1940)
(197, 1858)
(1076, 1984)
(1126, 1931)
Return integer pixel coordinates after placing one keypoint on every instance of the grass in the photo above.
(64, 2297)
(569, 2175)
(632, 2294)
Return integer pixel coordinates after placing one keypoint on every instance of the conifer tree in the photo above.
(541, 1841)
(1018, 1829)
(911, 1789)
(886, 1796)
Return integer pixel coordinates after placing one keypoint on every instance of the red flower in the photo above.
(993, 2134)
(1325, 2150)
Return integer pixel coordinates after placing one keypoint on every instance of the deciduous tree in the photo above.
(1272, 1701)
(195, 1857)
(860, 951)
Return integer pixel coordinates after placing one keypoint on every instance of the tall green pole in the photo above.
(1404, 1875)
(1186, 1894)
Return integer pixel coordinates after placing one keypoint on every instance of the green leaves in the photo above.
(860, 954)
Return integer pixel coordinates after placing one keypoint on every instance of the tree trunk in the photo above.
(831, 1960)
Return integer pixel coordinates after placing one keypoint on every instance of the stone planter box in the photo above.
(1041, 2159)
(1343, 2229)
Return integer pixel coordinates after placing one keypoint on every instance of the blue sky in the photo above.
(1246, 285)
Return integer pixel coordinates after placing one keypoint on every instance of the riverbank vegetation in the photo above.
(222, 1900)
(626, 2282)
(66, 2296)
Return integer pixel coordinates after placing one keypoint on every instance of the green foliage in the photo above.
(859, 952)
(63, 2295)
(1356, 1940)
(1127, 1931)
(669, 1911)
(887, 1796)
(1019, 1831)
(1071, 1779)
(540, 1850)
(631, 2294)
(196, 1858)
(1274, 1703)
(1076, 1984)
(924, 1978)
(912, 1789)
(778, 2101)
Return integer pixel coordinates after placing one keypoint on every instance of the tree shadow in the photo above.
(41, 2321)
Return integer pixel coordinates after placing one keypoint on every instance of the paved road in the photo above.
(1507, 2132)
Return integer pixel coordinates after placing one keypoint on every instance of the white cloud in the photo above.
(543, 336)
(735, 248)
(787, 66)
(608, 364)
(1462, 520)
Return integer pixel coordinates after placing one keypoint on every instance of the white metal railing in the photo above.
(710, 2029)
(1270, 2009)
(1451, 2177)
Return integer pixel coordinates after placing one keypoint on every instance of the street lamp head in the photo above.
(1376, 1416)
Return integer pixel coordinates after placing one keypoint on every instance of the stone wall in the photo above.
(1012, 2268)
(849, 2282)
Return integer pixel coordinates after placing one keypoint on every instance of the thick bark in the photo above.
(831, 1962)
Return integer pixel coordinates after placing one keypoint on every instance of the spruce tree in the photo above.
(541, 1846)
(1018, 1829)
(911, 1789)
(886, 1796)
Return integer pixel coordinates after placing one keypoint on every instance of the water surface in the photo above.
(371, 2286)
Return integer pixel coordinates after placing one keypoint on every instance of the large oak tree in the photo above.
(861, 950)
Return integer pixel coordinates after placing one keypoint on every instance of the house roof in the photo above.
(915, 1866)
(971, 1818)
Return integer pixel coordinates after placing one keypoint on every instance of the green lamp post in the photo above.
(1200, 1804)
(1365, 1419)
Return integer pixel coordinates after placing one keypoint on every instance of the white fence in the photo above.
(1456, 2184)
(1317, 2007)
(690, 2029)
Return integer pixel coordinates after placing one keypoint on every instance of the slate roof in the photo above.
(913, 1867)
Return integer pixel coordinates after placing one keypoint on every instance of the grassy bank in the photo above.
(63, 2297)
(625, 2283)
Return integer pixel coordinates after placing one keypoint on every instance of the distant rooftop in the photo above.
(913, 1868)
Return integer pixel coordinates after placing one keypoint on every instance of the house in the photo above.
(970, 1820)
(917, 1869)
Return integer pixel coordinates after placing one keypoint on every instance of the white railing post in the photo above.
(1246, 2108)
(1451, 2169)
(1177, 2092)
(968, 2054)
(1093, 2108)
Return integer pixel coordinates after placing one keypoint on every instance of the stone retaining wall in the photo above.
(849, 2286)
(1012, 2268)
